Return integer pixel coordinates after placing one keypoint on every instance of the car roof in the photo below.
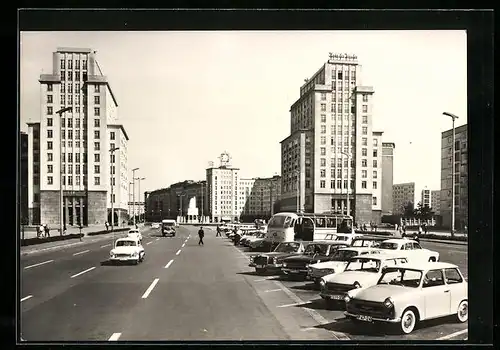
(400, 240)
(424, 266)
(369, 238)
(127, 239)
(357, 248)
(380, 256)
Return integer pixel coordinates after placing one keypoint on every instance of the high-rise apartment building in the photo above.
(332, 150)
(436, 202)
(425, 197)
(73, 150)
(23, 178)
(402, 194)
(260, 196)
(461, 177)
(387, 176)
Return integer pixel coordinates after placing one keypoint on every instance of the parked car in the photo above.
(263, 245)
(155, 225)
(135, 233)
(246, 236)
(337, 263)
(367, 241)
(361, 272)
(315, 252)
(406, 295)
(127, 250)
(411, 249)
(347, 237)
(254, 241)
(273, 261)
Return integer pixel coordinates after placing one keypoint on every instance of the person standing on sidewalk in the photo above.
(201, 234)
(218, 234)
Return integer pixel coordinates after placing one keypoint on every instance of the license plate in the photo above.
(259, 266)
(364, 318)
(338, 297)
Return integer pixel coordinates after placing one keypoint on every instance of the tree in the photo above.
(408, 210)
(424, 212)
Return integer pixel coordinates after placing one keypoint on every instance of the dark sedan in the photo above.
(315, 252)
(272, 262)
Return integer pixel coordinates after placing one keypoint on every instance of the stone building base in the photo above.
(363, 209)
(97, 208)
(50, 205)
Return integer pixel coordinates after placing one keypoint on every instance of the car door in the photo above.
(458, 288)
(437, 296)
(409, 252)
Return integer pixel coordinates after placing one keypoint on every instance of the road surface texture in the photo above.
(183, 291)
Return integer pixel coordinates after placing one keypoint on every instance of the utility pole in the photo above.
(61, 173)
(112, 153)
(202, 214)
(139, 179)
(453, 117)
(133, 192)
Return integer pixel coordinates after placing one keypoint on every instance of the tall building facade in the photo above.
(387, 176)
(260, 196)
(72, 151)
(332, 151)
(23, 178)
(425, 198)
(461, 177)
(402, 194)
(436, 202)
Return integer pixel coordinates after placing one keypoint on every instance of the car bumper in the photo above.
(266, 266)
(289, 271)
(332, 295)
(373, 319)
(130, 258)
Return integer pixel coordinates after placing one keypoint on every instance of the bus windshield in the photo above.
(280, 221)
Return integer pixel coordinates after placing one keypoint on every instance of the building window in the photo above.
(50, 168)
(97, 88)
(364, 141)
(375, 153)
(323, 151)
(374, 200)
(49, 87)
(97, 146)
(97, 100)
(323, 107)
(50, 111)
(365, 109)
(323, 96)
(365, 130)
(365, 98)
(97, 123)
(70, 64)
(97, 111)
(374, 174)
(364, 174)
(96, 134)
(49, 134)
(49, 157)
(70, 134)
(363, 184)
(63, 75)
(63, 63)
(364, 163)
(323, 118)
(323, 129)
(323, 140)
(49, 99)
(339, 173)
(374, 185)
(70, 88)
(49, 144)
(364, 152)
(97, 157)
(77, 169)
(375, 163)
(97, 181)
(365, 119)
(63, 100)
(322, 184)
(97, 169)
(77, 178)
(375, 142)
(112, 135)
(50, 180)
(70, 180)
(111, 146)
(308, 184)
(70, 157)
(77, 76)
(70, 76)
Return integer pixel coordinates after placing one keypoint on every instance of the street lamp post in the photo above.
(61, 197)
(453, 117)
(112, 153)
(348, 181)
(297, 173)
(133, 193)
(202, 214)
(139, 179)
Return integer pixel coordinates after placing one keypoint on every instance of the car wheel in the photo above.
(408, 321)
(432, 259)
(463, 311)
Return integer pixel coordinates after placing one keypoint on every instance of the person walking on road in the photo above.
(201, 234)
(218, 234)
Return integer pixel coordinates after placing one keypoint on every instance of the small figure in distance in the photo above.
(201, 234)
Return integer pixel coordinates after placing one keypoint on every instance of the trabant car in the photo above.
(273, 261)
(361, 272)
(337, 262)
(127, 250)
(406, 295)
(411, 249)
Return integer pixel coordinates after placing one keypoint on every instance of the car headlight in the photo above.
(388, 303)
(357, 285)
(275, 260)
(317, 262)
(252, 258)
(284, 264)
(347, 298)
(322, 283)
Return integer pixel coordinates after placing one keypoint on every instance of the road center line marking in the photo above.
(27, 297)
(157, 239)
(149, 242)
(115, 337)
(150, 288)
(81, 273)
(183, 245)
(313, 313)
(169, 263)
(265, 279)
(85, 251)
(452, 335)
(42, 263)
(178, 252)
(272, 290)
(106, 245)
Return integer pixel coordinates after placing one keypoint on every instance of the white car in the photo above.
(337, 263)
(155, 225)
(361, 272)
(127, 250)
(411, 250)
(412, 293)
(347, 237)
(135, 233)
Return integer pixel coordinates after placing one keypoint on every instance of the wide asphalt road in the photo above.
(183, 291)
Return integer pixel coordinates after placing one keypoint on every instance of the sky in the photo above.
(185, 97)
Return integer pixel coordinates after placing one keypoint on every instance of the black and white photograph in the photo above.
(243, 185)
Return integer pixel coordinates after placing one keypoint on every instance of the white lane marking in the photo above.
(149, 242)
(272, 290)
(453, 335)
(313, 313)
(85, 251)
(35, 265)
(183, 245)
(106, 245)
(115, 337)
(81, 273)
(150, 288)
(169, 263)
(157, 239)
(294, 304)
(27, 297)
(178, 252)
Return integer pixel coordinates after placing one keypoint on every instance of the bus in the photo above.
(287, 227)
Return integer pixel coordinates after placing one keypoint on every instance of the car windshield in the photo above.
(126, 244)
(316, 249)
(365, 243)
(344, 255)
(401, 277)
(289, 247)
(388, 245)
(364, 264)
